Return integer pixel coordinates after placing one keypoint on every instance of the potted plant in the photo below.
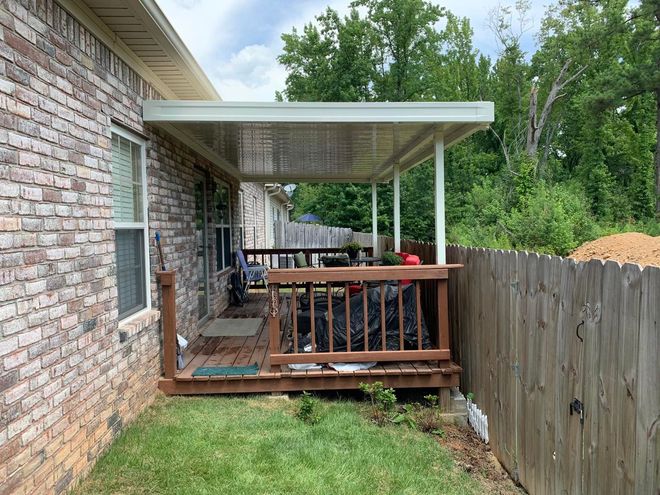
(391, 259)
(352, 249)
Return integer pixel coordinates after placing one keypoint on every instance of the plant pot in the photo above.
(352, 253)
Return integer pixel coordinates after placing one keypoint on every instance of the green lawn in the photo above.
(229, 445)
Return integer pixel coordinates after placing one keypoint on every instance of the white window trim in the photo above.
(241, 205)
(136, 225)
(229, 266)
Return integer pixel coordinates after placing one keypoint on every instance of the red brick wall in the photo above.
(70, 377)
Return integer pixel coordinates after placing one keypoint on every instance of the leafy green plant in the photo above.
(391, 259)
(353, 245)
(308, 409)
(470, 396)
(382, 401)
(407, 416)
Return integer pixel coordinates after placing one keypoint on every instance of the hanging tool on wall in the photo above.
(160, 251)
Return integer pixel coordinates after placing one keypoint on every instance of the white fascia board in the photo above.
(409, 112)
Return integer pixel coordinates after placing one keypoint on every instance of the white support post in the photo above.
(397, 209)
(374, 217)
(440, 199)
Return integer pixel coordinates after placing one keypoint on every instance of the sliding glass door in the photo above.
(201, 235)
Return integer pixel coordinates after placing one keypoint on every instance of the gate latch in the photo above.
(578, 408)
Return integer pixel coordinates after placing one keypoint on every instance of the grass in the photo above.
(254, 446)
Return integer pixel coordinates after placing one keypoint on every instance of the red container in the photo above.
(410, 260)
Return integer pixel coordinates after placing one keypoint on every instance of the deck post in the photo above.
(168, 285)
(440, 255)
(397, 207)
(274, 323)
(374, 218)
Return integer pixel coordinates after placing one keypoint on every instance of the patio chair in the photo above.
(251, 272)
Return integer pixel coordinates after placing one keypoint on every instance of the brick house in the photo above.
(84, 185)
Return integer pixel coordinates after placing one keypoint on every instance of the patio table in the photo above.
(366, 260)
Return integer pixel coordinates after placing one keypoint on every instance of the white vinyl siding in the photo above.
(129, 214)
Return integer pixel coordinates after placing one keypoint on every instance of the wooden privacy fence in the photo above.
(533, 333)
(305, 235)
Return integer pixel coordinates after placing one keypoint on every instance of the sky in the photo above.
(237, 41)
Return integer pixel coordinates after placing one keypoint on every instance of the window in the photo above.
(241, 220)
(129, 210)
(222, 220)
(254, 221)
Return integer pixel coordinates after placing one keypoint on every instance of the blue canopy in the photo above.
(308, 217)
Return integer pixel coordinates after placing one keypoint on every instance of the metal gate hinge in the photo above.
(578, 408)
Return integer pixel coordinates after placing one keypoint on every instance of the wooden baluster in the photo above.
(294, 316)
(331, 332)
(418, 298)
(365, 311)
(443, 315)
(312, 324)
(274, 322)
(400, 298)
(383, 335)
(347, 297)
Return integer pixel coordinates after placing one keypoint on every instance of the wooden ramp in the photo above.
(244, 351)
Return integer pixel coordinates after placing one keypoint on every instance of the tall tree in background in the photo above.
(571, 152)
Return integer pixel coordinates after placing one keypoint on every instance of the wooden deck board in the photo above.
(244, 351)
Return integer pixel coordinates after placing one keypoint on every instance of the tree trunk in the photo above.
(657, 153)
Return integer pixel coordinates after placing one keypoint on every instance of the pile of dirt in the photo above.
(631, 247)
(476, 458)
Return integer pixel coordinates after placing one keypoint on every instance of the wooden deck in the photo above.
(243, 351)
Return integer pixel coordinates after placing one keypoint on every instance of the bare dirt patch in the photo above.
(630, 247)
(476, 458)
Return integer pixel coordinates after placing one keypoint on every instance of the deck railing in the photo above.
(283, 257)
(370, 276)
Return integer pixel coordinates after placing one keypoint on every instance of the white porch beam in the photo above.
(440, 199)
(374, 217)
(397, 208)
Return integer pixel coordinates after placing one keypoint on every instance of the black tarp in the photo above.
(357, 322)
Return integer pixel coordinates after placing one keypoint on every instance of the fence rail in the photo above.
(533, 333)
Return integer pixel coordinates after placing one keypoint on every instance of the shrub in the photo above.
(308, 409)
(391, 259)
(382, 401)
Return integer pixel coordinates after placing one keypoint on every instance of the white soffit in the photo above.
(140, 34)
(317, 142)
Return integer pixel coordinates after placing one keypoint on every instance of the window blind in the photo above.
(130, 271)
(126, 180)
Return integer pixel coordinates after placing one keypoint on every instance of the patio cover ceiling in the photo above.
(317, 142)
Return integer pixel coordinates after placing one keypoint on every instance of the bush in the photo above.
(553, 220)
(308, 409)
(391, 259)
(382, 401)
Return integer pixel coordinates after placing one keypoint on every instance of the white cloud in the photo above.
(252, 74)
(237, 41)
